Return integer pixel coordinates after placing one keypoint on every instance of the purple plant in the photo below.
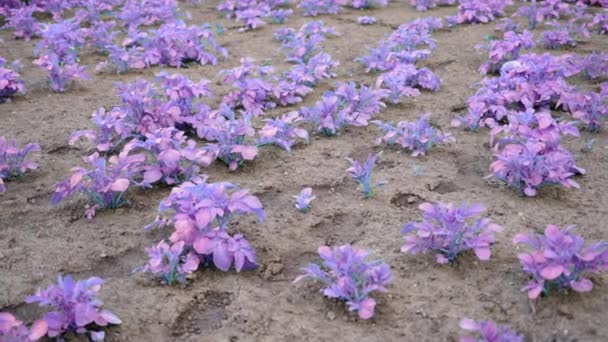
(105, 184)
(594, 65)
(75, 307)
(409, 43)
(479, 11)
(253, 89)
(367, 4)
(506, 49)
(543, 77)
(169, 161)
(170, 263)
(60, 74)
(418, 137)
(229, 136)
(293, 89)
(101, 35)
(600, 22)
(10, 81)
(348, 104)
(564, 35)
(299, 46)
(62, 39)
(560, 260)
(283, 131)
(13, 330)
(425, 5)
(314, 8)
(588, 107)
(135, 13)
(362, 173)
(303, 200)
(366, 20)
(172, 44)
(23, 22)
(223, 250)
(14, 160)
(200, 212)
(488, 331)
(308, 74)
(548, 9)
(445, 230)
(404, 79)
(110, 132)
(531, 164)
(348, 276)
(279, 16)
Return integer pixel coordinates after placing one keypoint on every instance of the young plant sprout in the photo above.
(362, 173)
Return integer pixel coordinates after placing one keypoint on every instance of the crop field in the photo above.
(303, 170)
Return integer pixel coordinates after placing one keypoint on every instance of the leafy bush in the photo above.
(105, 184)
(445, 230)
(10, 81)
(283, 131)
(488, 331)
(418, 137)
(348, 276)
(559, 260)
(14, 160)
(170, 263)
(13, 330)
(75, 308)
(200, 212)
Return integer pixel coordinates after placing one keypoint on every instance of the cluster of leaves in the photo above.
(530, 155)
(404, 81)
(168, 160)
(488, 331)
(105, 183)
(314, 8)
(418, 137)
(75, 308)
(544, 77)
(283, 132)
(362, 174)
(253, 12)
(200, 213)
(559, 259)
(479, 11)
(348, 104)
(425, 5)
(445, 230)
(14, 160)
(506, 49)
(22, 21)
(304, 199)
(10, 80)
(594, 66)
(409, 43)
(13, 330)
(58, 50)
(348, 276)
(172, 44)
(600, 22)
(564, 34)
(366, 20)
(228, 138)
(589, 107)
(537, 13)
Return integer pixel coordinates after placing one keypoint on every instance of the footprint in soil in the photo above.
(405, 200)
(443, 187)
(204, 314)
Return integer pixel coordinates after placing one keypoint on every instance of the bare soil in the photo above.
(425, 301)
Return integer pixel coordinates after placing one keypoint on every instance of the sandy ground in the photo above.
(425, 301)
